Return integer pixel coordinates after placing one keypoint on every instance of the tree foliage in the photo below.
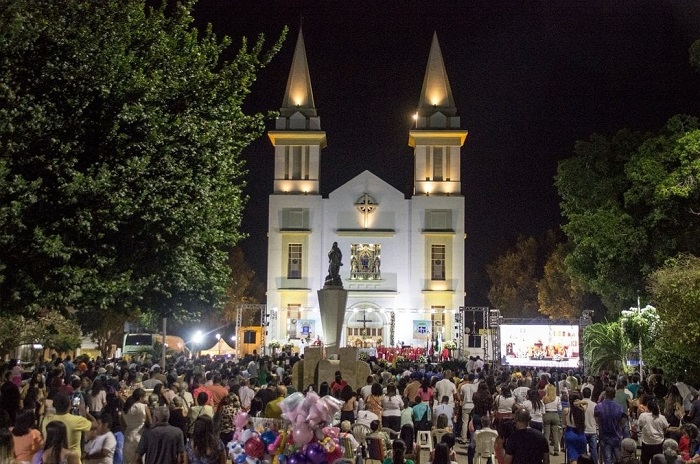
(676, 292)
(243, 288)
(605, 346)
(107, 329)
(629, 201)
(558, 293)
(514, 280)
(50, 329)
(121, 179)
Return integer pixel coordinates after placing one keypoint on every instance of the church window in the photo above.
(293, 315)
(295, 218)
(438, 219)
(427, 164)
(294, 261)
(306, 163)
(438, 319)
(286, 163)
(365, 261)
(437, 262)
(437, 163)
(296, 162)
(447, 164)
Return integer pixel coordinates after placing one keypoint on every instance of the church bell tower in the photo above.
(437, 136)
(298, 138)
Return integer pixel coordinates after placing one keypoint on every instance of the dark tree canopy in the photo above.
(121, 179)
(514, 278)
(630, 203)
(559, 295)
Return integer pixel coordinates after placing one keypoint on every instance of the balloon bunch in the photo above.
(256, 447)
(308, 443)
(307, 413)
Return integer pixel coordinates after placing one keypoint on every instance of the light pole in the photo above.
(638, 311)
(218, 342)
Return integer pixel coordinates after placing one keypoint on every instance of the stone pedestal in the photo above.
(312, 356)
(332, 302)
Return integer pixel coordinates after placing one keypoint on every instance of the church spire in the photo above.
(436, 136)
(436, 95)
(299, 97)
(298, 138)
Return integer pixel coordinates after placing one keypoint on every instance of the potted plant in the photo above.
(273, 345)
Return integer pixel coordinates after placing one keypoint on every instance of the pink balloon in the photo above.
(333, 432)
(241, 419)
(302, 434)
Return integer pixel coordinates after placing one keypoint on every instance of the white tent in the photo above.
(220, 348)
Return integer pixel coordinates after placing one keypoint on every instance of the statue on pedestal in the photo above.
(335, 257)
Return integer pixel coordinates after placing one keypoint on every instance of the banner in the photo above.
(306, 328)
(422, 329)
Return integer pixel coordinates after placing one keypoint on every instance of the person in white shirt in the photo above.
(186, 395)
(444, 408)
(470, 364)
(392, 403)
(366, 417)
(252, 369)
(367, 389)
(101, 448)
(653, 426)
(446, 387)
(588, 383)
(520, 392)
(551, 417)
(535, 407)
(466, 392)
(280, 371)
(591, 426)
(246, 395)
(345, 427)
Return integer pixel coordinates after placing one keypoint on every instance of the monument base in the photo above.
(332, 303)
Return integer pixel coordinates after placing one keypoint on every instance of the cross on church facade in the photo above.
(366, 205)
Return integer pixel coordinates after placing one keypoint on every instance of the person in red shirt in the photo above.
(337, 385)
(199, 387)
(217, 391)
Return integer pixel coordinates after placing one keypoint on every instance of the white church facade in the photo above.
(403, 258)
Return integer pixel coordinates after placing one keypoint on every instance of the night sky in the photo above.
(528, 78)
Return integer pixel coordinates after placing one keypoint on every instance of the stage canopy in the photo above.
(220, 348)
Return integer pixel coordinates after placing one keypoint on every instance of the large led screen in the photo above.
(540, 345)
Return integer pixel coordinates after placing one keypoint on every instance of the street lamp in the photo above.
(639, 311)
(218, 340)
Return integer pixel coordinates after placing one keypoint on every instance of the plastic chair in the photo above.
(360, 431)
(375, 449)
(425, 440)
(349, 452)
(485, 445)
(437, 435)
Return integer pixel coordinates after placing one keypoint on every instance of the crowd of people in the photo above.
(127, 411)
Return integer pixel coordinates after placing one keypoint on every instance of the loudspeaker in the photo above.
(249, 336)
